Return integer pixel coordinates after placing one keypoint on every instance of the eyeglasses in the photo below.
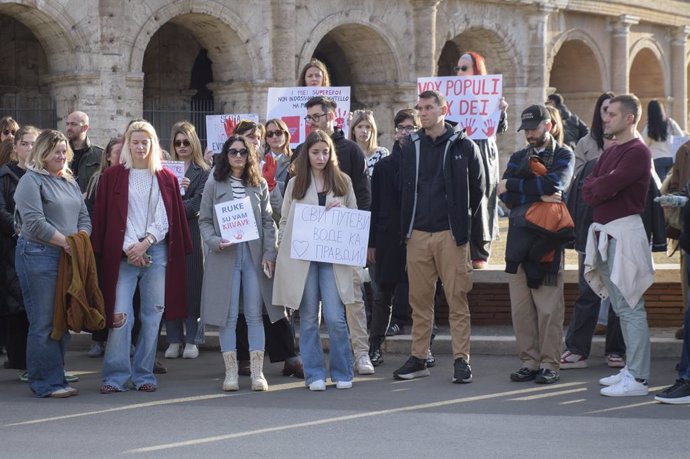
(457, 68)
(181, 143)
(315, 117)
(401, 128)
(277, 133)
(8, 132)
(235, 152)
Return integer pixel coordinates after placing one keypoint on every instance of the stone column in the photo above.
(284, 71)
(537, 76)
(620, 53)
(78, 91)
(424, 15)
(385, 100)
(679, 76)
(240, 97)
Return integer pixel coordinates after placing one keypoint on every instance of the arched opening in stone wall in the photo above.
(575, 74)
(23, 93)
(647, 80)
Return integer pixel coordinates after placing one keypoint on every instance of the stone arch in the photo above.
(587, 40)
(649, 77)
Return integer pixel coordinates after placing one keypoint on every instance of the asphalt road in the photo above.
(189, 416)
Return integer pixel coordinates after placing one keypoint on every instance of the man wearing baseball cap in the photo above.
(539, 172)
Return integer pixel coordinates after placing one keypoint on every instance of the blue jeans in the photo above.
(37, 266)
(684, 365)
(244, 278)
(175, 334)
(118, 367)
(321, 286)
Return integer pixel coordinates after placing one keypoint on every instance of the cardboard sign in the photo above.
(177, 168)
(220, 127)
(288, 105)
(472, 101)
(236, 220)
(339, 235)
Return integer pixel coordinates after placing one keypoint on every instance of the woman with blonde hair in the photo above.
(141, 234)
(364, 132)
(186, 147)
(49, 207)
(304, 284)
(314, 73)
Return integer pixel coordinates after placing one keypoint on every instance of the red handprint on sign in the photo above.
(229, 125)
(490, 127)
(468, 125)
(239, 235)
(340, 117)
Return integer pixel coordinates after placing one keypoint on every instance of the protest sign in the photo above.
(339, 235)
(177, 168)
(236, 220)
(220, 127)
(288, 105)
(472, 101)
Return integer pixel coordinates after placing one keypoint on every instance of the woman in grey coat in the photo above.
(233, 266)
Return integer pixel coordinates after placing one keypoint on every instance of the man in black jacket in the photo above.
(87, 157)
(442, 186)
(573, 127)
(321, 115)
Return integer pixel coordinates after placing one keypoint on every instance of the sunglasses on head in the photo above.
(464, 68)
(180, 143)
(277, 133)
(8, 132)
(236, 152)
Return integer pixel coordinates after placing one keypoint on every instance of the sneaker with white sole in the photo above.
(627, 387)
(343, 385)
(363, 365)
(318, 385)
(173, 351)
(97, 350)
(614, 379)
(191, 351)
(677, 394)
(571, 360)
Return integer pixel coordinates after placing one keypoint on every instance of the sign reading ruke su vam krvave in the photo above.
(339, 235)
(236, 220)
(220, 127)
(288, 105)
(473, 101)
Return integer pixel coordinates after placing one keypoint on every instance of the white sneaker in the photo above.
(317, 385)
(191, 351)
(627, 387)
(173, 351)
(97, 350)
(343, 385)
(614, 379)
(363, 365)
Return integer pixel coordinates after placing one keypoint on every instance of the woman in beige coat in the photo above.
(317, 181)
(234, 267)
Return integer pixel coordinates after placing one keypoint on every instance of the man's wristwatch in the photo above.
(151, 239)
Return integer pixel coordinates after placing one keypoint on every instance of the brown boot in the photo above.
(259, 383)
(231, 382)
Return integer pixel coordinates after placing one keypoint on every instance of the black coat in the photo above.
(11, 301)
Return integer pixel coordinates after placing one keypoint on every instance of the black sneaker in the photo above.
(546, 376)
(523, 374)
(393, 329)
(462, 372)
(376, 356)
(430, 359)
(677, 394)
(413, 368)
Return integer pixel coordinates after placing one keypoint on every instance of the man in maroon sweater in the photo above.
(616, 190)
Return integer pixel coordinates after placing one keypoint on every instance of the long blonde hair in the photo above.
(154, 157)
(44, 147)
(188, 130)
(359, 116)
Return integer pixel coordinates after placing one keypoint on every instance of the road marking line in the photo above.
(570, 402)
(350, 417)
(550, 394)
(625, 407)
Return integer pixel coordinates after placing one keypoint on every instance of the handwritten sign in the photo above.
(472, 101)
(220, 127)
(236, 220)
(339, 235)
(288, 105)
(177, 168)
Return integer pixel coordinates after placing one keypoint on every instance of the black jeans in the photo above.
(280, 341)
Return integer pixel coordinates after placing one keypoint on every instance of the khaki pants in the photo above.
(537, 321)
(430, 256)
(357, 319)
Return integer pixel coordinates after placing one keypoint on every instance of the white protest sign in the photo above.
(236, 220)
(472, 101)
(678, 141)
(288, 105)
(339, 235)
(177, 168)
(220, 127)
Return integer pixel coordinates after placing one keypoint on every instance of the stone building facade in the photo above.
(175, 59)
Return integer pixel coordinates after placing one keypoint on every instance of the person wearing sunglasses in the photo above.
(8, 127)
(276, 162)
(469, 64)
(238, 268)
(186, 147)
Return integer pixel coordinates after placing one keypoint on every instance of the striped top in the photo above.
(238, 191)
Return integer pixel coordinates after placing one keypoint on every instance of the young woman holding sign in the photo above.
(472, 64)
(300, 283)
(232, 267)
